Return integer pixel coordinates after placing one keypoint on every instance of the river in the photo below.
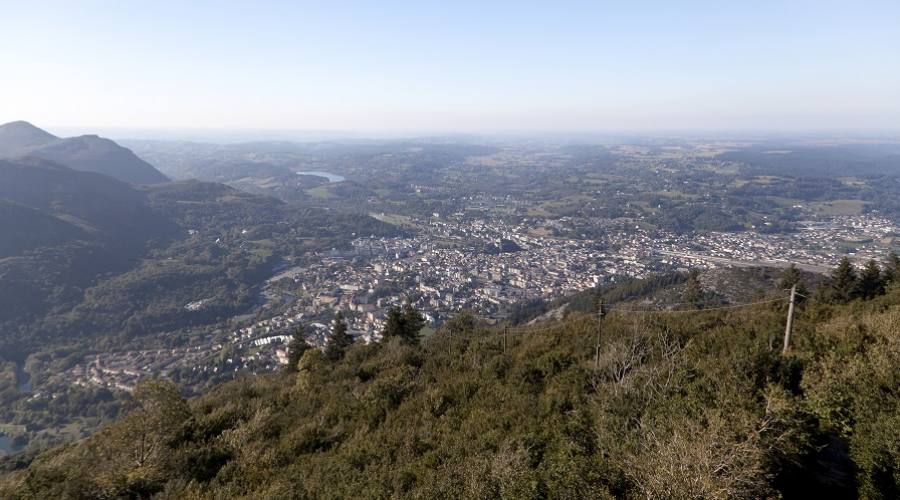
(23, 380)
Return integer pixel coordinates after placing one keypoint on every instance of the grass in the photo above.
(263, 248)
(562, 204)
(321, 192)
(838, 207)
(784, 202)
(427, 332)
(393, 219)
(540, 231)
(676, 194)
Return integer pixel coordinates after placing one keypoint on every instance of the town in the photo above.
(459, 263)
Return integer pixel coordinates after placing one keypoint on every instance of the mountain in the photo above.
(26, 228)
(90, 263)
(688, 405)
(87, 153)
(100, 205)
(61, 228)
(16, 138)
(82, 253)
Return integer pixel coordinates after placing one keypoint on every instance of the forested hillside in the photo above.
(62, 229)
(84, 254)
(677, 404)
(89, 263)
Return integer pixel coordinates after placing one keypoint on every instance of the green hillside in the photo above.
(62, 229)
(86, 255)
(680, 405)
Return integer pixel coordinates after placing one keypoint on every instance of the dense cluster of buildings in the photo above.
(485, 265)
(452, 265)
(817, 245)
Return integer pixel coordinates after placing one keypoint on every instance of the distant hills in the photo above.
(87, 153)
(83, 253)
(785, 158)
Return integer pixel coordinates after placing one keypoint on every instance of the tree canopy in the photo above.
(686, 404)
(339, 339)
(296, 348)
(404, 323)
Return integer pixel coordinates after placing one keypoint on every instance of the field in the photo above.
(394, 219)
(839, 207)
(320, 192)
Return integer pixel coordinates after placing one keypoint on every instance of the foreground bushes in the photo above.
(697, 405)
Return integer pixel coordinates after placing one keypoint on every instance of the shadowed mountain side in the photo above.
(84, 254)
(26, 228)
(106, 208)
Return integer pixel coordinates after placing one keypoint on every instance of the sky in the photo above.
(452, 66)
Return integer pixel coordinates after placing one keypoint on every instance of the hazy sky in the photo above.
(452, 65)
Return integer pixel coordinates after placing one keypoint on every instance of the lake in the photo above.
(6, 445)
(328, 175)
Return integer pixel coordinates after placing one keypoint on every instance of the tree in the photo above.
(792, 277)
(339, 339)
(413, 323)
(296, 348)
(393, 323)
(871, 281)
(693, 290)
(137, 449)
(405, 323)
(844, 281)
(892, 269)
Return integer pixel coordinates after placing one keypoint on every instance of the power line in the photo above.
(530, 330)
(673, 311)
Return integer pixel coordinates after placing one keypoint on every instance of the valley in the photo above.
(214, 283)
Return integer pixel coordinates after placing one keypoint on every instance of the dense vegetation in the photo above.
(690, 404)
(685, 403)
(89, 254)
(89, 264)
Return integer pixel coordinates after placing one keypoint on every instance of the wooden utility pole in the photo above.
(790, 321)
(599, 333)
(505, 334)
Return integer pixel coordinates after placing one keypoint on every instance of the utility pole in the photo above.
(599, 333)
(450, 344)
(790, 321)
(476, 353)
(505, 334)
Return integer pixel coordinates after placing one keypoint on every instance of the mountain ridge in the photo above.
(90, 153)
(21, 134)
